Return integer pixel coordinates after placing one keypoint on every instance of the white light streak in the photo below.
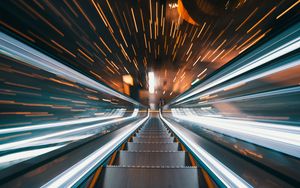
(21, 143)
(151, 82)
(195, 81)
(282, 44)
(75, 173)
(21, 156)
(282, 138)
(224, 174)
(291, 63)
(116, 114)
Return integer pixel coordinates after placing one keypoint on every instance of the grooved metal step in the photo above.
(153, 130)
(167, 140)
(153, 134)
(152, 158)
(154, 127)
(149, 177)
(152, 146)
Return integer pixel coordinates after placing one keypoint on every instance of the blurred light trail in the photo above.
(288, 9)
(287, 64)
(73, 175)
(224, 174)
(57, 141)
(133, 36)
(10, 159)
(195, 81)
(15, 49)
(116, 114)
(282, 138)
(282, 44)
(80, 130)
(286, 91)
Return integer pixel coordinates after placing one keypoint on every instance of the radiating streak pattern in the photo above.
(285, 43)
(18, 50)
(62, 66)
(154, 29)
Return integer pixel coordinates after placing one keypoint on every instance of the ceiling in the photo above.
(106, 39)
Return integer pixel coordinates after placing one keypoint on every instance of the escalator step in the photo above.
(153, 131)
(136, 158)
(132, 177)
(154, 126)
(152, 147)
(167, 140)
(146, 130)
(153, 134)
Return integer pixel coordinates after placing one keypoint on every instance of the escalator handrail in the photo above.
(76, 173)
(227, 177)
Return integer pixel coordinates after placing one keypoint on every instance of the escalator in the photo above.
(152, 157)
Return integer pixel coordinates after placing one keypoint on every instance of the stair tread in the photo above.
(152, 142)
(162, 136)
(153, 133)
(152, 146)
(133, 177)
(136, 139)
(154, 130)
(146, 158)
(149, 166)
